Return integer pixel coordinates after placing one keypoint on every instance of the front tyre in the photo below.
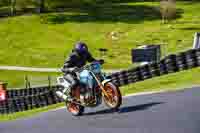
(114, 98)
(75, 109)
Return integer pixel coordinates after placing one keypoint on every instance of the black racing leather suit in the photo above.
(75, 60)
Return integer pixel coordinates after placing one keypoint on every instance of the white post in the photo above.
(196, 42)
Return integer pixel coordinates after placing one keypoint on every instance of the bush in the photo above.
(70, 3)
(22, 4)
(62, 3)
(4, 11)
(4, 3)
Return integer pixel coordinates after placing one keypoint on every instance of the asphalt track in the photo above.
(172, 112)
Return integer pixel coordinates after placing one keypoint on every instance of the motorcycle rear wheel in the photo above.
(75, 109)
(114, 99)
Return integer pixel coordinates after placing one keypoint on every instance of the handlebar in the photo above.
(86, 67)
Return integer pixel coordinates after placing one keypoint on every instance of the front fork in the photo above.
(101, 84)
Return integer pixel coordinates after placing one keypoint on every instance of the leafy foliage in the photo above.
(4, 3)
(26, 3)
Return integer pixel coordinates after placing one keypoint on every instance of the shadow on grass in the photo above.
(106, 14)
(125, 109)
(130, 1)
(190, 28)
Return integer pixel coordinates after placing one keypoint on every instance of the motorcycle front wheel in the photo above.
(114, 98)
(74, 108)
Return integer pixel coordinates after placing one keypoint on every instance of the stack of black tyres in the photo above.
(27, 99)
(170, 64)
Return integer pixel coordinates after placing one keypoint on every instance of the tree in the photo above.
(4, 2)
(12, 7)
(42, 6)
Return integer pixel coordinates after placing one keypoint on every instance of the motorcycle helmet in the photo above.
(81, 47)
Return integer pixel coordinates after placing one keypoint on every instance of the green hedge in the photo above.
(4, 3)
(26, 4)
(4, 11)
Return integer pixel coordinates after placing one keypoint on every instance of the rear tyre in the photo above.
(75, 109)
(114, 99)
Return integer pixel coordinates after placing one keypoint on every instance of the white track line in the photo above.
(144, 93)
(127, 96)
(34, 69)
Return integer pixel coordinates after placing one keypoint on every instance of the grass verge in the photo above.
(29, 113)
(16, 79)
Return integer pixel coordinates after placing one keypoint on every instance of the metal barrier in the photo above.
(26, 99)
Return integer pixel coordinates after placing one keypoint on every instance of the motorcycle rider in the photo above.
(79, 56)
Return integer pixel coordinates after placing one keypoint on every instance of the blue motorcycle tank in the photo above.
(86, 78)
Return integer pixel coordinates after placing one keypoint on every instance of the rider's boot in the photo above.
(91, 97)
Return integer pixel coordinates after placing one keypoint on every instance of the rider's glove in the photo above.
(101, 61)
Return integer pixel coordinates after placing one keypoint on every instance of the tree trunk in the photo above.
(12, 7)
(42, 6)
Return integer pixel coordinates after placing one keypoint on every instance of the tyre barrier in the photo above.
(170, 64)
(37, 98)
(27, 99)
(26, 92)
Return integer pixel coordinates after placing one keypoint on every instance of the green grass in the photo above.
(16, 79)
(45, 40)
(29, 113)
